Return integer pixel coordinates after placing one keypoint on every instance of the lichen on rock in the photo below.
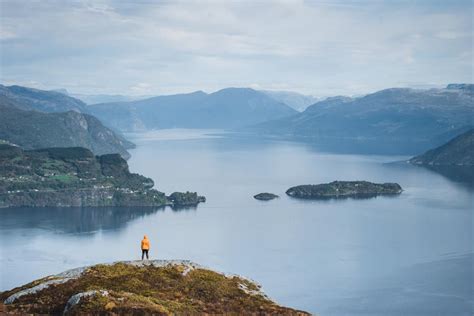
(163, 287)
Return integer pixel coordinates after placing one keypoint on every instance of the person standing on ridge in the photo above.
(145, 246)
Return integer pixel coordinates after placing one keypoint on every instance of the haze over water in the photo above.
(405, 255)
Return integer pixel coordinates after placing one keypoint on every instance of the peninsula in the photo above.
(74, 176)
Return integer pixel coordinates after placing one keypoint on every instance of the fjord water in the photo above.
(406, 255)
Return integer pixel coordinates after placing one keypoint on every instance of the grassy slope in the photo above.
(149, 289)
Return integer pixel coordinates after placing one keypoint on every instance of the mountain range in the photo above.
(41, 100)
(297, 101)
(225, 109)
(35, 119)
(401, 115)
(101, 98)
(396, 118)
(294, 100)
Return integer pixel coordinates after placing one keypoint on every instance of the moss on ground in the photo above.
(146, 290)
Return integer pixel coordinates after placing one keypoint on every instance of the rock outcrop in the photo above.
(157, 287)
(183, 199)
(265, 196)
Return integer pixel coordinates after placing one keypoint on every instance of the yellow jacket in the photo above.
(145, 243)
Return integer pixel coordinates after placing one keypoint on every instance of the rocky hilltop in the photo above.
(157, 287)
(343, 189)
(75, 177)
(457, 152)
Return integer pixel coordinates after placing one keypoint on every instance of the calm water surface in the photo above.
(405, 255)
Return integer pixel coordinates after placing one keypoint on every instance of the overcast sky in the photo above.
(161, 47)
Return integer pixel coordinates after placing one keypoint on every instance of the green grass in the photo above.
(152, 290)
(64, 177)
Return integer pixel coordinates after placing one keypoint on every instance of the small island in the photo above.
(343, 189)
(156, 287)
(184, 199)
(265, 196)
(74, 176)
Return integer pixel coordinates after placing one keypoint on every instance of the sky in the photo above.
(319, 47)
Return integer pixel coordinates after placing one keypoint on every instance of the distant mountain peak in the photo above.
(404, 117)
(460, 86)
(227, 108)
(198, 92)
(392, 91)
(328, 102)
(236, 90)
(297, 101)
(62, 90)
(342, 98)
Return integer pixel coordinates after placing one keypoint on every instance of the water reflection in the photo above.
(459, 174)
(360, 196)
(71, 219)
(184, 208)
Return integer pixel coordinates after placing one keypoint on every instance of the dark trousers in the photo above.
(145, 251)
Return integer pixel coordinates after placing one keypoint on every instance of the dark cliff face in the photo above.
(33, 130)
(457, 152)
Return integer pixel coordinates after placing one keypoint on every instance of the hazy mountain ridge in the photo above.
(105, 98)
(34, 129)
(227, 108)
(101, 98)
(41, 100)
(295, 100)
(397, 114)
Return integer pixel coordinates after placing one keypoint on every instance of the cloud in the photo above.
(452, 35)
(317, 47)
(141, 88)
